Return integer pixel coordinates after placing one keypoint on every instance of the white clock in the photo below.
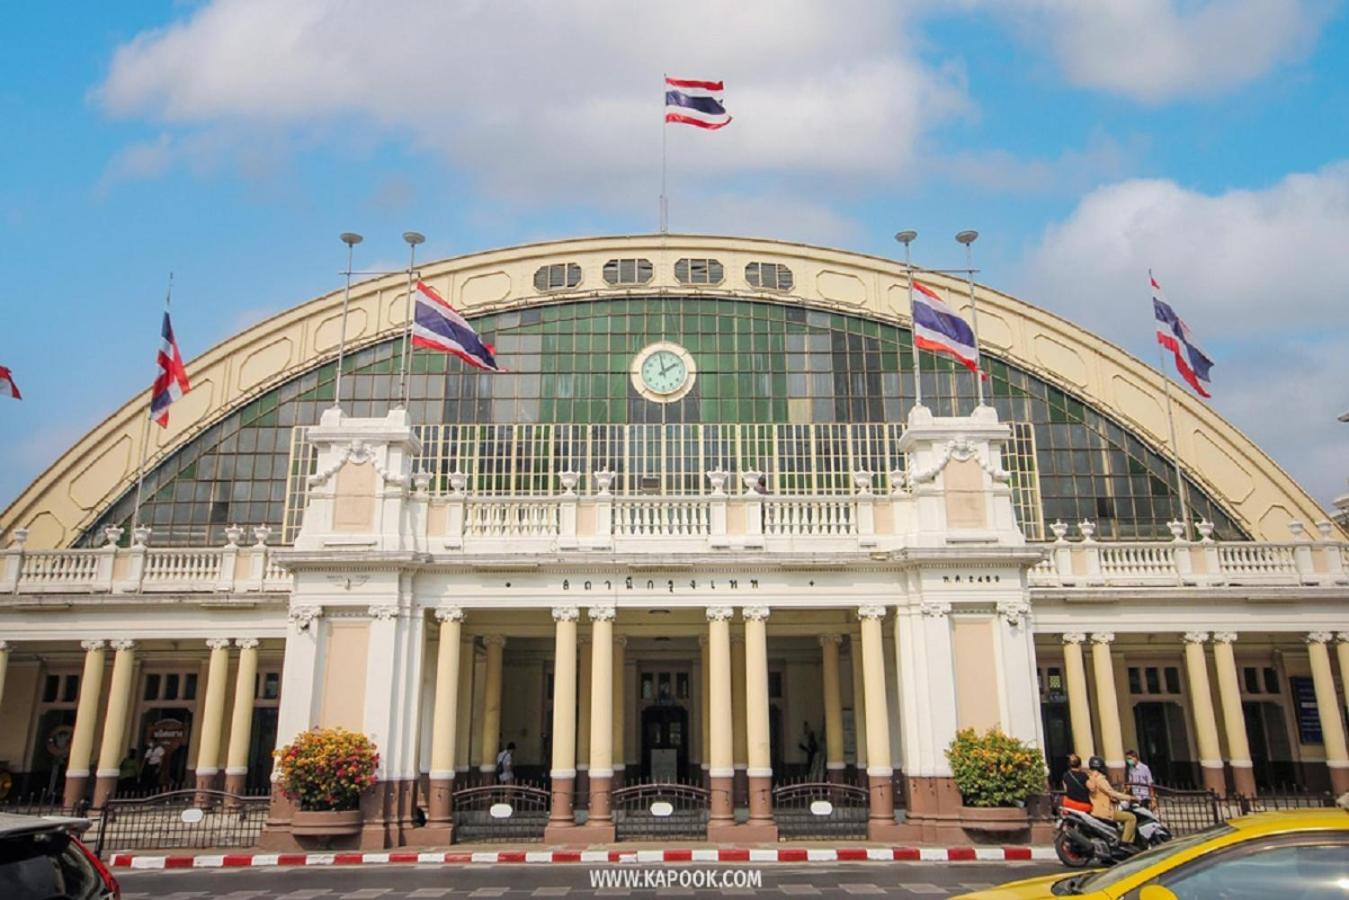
(663, 372)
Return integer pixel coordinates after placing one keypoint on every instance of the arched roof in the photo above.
(80, 485)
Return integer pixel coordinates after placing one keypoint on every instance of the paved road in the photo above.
(517, 882)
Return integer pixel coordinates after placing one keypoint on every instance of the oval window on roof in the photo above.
(557, 276)
(698, 271)
(773, 276)
(627, 271)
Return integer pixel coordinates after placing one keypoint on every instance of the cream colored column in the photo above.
(241, 718)
(721, 763)
(213, 714)
(705, 714)
(86, 720)
(601, 715)
(1079, 710)
(759, 744)
(1201, 703)
(859, 705)
(619, 709)
(1342, 651)
(833, 706)
(1229, 694)
(1107, 705)
(1328, 708)
(739, 735)
(880, 774)
(4, 668)
(491, 712)
(583, 660)
(563, 773)
(463, 729)
(114, 723)
(444, 721)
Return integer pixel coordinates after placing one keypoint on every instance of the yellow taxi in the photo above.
(1296, 855)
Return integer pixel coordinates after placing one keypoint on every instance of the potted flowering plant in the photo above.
(995, 774)
(325, 771)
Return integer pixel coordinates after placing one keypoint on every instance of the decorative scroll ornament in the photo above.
(1320, 637)
(960, 449)
(303, 616)
(1014, 611)
(358, 453)
(383, 611)
(1195, 637)
(1102, 637)
(756, 613)
(566, 613)
(247, 643)
(347, 582)
(1074, 637)
(719, 613)
(1224, 637)
(218, 644)
(449, 614)
(602, 613)
(122, 644)
(871, 612)
(935, 608)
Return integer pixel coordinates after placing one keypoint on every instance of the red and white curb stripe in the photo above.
(553, 857)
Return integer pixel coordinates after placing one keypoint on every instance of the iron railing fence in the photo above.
(500, 812)
(1187, 811)
(180, 820)
(652, 810)
(527, 460)
(820, 810)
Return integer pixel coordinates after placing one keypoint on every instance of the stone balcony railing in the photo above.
(142, 569)
(1087, 562)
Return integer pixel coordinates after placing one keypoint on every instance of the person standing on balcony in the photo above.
(1138, 777)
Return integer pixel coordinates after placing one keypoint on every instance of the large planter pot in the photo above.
(328, 823)
(995, 819)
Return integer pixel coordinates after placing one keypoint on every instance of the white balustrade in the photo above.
(1044, 573)
(176, 569)
(76, 568)
(1246, 563)
(809, 516)
(511, 517)
(1139, 562)
(662, 517)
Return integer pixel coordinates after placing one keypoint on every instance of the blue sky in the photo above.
(231, 141)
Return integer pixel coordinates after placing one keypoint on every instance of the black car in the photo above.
(42, 858)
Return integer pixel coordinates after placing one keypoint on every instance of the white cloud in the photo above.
(1160, 50)
(1258, 275)
(533, 96)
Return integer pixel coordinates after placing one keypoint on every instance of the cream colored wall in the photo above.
(966, 502)
(354, 501)
(67, 497)
(976, 664)
(343, 685)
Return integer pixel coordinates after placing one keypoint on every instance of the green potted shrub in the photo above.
(995, 774)
(324, 771)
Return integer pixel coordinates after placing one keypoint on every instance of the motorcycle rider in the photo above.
(1076, 795)
(1102, 805)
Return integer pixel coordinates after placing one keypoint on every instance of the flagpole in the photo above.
(413, 238)
(906, 238)
(664, 137)
(145, 431)
(1171, 426)
(351, 239)
(967, 238)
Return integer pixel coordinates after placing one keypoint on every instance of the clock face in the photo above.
(663, 372)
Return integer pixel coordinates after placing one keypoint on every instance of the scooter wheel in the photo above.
(1068, 854)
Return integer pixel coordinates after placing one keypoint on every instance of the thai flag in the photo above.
(7, 385)
(1173, 334)
(696, 103)
(171, 382)
(438, 326)
(939, 328)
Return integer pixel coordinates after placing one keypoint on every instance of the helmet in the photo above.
(1096, 764)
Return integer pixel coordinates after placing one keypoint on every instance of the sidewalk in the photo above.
(626, 853)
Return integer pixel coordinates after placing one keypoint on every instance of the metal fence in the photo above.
(500, 812)
(180, 819)
(819, 809)
(1187, 811)
(652, 810)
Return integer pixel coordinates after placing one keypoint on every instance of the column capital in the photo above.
(247, 643)
(602, 613)
(621, 640)
(1102, 637)
(1074, 637)
(218, 643)
(5, 646)
(382, 612)
(871, 611)
(494, 640)
(719, 613)
(1195, 637)
(1342, 637)
(1319, 637)
(122, 644)
(303, 616)
(935, 608)
(1014, 611)
(449, 614)
(1224, 637)
(835, 639)
(566, 613)
(755, 613)
(93, 645)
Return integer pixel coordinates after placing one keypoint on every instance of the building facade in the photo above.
(701, 531)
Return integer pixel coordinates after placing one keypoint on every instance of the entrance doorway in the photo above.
(1271, 751)
(665, 737)
(1058, 738)
(1164, 744)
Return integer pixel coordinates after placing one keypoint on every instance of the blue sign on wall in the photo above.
(1308, 719)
